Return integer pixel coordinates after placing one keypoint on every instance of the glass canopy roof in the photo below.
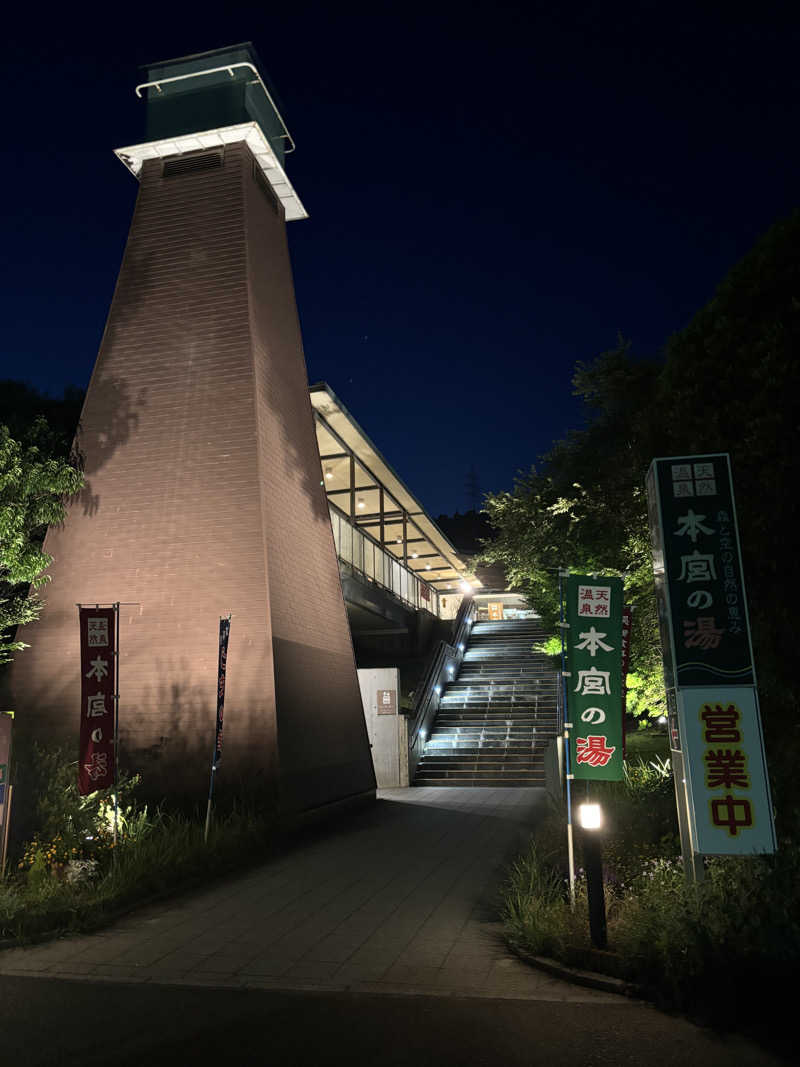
(361, 483)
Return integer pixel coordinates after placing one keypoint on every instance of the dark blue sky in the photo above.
(493, 196)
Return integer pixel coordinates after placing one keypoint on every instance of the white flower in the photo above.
(80, 871)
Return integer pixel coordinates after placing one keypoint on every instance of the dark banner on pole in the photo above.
(627, 621)
(594, 690)
(5, 786)
(5, 761)
(98, 661)
(224, 633)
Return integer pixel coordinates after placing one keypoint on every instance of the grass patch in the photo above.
(646, 744)
(534, 912)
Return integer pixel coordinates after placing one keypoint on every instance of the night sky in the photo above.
(494, 195)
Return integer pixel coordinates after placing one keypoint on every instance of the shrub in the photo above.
(65, 878)
(719, 950)
(70, 828)
(536, 911)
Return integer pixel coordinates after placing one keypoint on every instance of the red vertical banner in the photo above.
(627, 619)
(96, 768)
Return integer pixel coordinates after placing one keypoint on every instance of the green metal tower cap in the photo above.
(210, 99)
(210, 90)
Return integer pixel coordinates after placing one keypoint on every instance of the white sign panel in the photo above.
(723, 756)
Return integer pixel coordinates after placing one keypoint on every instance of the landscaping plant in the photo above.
(719, 950)
(66, 873)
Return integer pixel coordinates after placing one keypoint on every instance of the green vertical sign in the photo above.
(698, 570)
(594, 676)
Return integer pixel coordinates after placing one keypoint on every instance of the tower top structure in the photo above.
(210, 99)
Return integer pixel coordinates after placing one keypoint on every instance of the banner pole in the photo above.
(6, 825)
(210, 794)
(567, 724)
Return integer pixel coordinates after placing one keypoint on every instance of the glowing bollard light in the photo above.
(590, 817)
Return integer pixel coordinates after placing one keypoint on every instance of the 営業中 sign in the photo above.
(724, 762)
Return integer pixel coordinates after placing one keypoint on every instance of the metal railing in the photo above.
(371, 562)
(229, 67)
(442, 668)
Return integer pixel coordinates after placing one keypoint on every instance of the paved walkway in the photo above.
(397, 898)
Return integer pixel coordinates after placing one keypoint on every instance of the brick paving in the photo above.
(397, 898)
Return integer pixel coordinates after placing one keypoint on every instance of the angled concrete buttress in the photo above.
(203, 492)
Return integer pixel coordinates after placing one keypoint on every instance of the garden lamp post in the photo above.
(591, 821)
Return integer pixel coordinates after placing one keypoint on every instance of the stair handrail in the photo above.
(442, 668)
(466, 616)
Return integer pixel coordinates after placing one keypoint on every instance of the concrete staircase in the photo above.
(496, 718)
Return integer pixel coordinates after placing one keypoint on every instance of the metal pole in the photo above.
(6, 825)
(567, 725)
(593, 863)
(210, 793)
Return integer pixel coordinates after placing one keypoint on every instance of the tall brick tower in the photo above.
(203, 491)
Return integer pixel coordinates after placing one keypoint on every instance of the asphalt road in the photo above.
(47, 1021)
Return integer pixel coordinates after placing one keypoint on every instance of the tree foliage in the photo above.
(585, 508)
(728, 382)
(36, 478)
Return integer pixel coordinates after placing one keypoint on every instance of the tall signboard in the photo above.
(594, 676)
(721, 778)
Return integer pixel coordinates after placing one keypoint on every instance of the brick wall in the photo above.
(200, 500)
